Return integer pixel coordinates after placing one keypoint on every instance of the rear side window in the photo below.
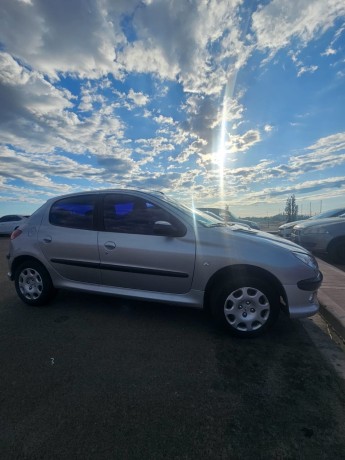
(10, 218)
(74, 212)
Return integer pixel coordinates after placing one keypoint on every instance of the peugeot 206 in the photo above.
(144, 245)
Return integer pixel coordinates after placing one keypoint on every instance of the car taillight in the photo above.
(16, 233)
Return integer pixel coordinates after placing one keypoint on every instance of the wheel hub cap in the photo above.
(30, 283)
(247, 309)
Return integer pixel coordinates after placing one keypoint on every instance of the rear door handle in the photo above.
(47, 239)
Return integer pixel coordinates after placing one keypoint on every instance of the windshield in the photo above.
(206, 220)
(200, 217)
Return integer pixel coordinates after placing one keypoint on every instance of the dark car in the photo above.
(286, 230)
(324, 236)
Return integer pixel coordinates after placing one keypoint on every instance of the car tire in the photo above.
(336, 251)
(246, 308)
(33, 284)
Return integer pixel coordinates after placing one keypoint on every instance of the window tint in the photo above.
(127, 214)
(10, 218)
(74, 212)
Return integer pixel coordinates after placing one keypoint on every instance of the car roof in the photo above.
(110, 190)
(13, 215)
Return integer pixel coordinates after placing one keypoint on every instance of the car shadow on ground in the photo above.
(68, 303)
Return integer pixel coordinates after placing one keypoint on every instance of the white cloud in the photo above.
(27, 91)
(11, 73)
(140, 58)
(241, 143)
(162, 120)
(38, 117)
(77, 37)
(326, 153)
(278, 22)
(329, 144)
(139, 98)
(329, 52)
(38, 171)
(307, 69)
(173, 41)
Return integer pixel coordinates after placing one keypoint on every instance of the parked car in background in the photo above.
(285, 230)
(229, 217)
(146, 246)
(322, 236)
(212, 214)
(10, 223)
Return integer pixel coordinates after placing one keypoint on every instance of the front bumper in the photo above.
(302, 298)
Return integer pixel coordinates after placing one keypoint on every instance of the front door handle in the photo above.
(110, 245)
(47, 239)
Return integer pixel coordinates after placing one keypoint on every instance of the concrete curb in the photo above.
(332, 313)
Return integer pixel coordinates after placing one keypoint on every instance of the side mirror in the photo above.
(164, 228)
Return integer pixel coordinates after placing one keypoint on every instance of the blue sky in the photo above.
(231, 102)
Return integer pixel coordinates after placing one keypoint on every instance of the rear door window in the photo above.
(74, 212)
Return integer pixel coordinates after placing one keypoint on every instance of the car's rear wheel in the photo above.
(336, 251)
(246, 308)
(33, 283)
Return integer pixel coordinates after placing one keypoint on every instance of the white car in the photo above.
(285, 230)
(9, 223)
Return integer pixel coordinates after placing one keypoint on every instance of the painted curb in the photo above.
(332, 313)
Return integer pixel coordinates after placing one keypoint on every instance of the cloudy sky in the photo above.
(213, 102)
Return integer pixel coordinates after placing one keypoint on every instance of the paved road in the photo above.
(98, 378)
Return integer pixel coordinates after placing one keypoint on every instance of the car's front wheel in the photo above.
(33, 283)
(246, 308)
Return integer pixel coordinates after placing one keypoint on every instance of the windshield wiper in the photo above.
(220, 224)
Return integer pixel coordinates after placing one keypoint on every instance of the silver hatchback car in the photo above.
(144, 245)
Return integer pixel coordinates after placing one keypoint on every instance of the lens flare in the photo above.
(221, 151)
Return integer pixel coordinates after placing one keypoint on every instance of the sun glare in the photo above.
(221, 151)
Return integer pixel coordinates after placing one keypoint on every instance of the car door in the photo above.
(68, 238)
(133, 256)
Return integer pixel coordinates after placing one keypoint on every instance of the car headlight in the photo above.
(314, 230)
(307, 259)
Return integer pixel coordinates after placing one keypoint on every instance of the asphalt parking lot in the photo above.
(96, 377)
